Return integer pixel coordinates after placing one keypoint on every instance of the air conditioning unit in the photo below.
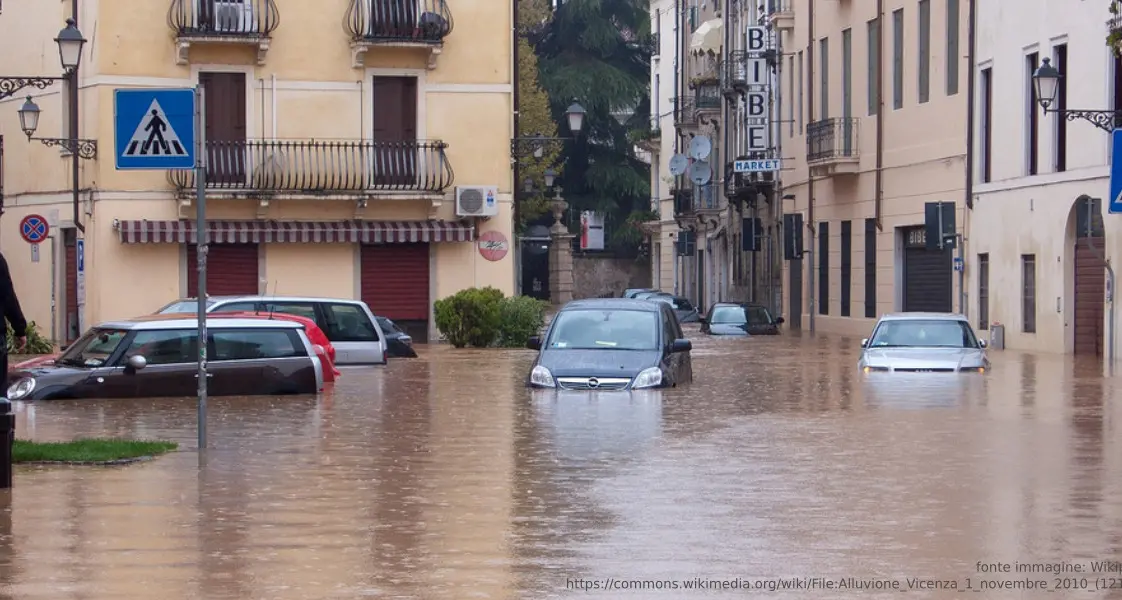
(233, 17)
(477, 201)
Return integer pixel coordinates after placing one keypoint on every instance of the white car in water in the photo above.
(923, 343)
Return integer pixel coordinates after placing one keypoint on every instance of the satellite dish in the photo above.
(700, 148)
(701, 172)
(678, 164)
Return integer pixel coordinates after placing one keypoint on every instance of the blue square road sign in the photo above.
(154, 129)
(1115, 205)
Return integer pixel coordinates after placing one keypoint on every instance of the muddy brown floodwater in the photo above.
(443, 477)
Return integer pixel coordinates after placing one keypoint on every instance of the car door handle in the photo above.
(208, 375)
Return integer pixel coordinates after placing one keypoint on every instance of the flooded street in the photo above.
(443, 477)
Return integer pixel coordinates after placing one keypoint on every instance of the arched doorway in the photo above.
(1089, 277)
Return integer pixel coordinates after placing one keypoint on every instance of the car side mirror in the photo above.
(137, 362)
(780, 320)
(982, 343)
(681, 346)
(534, 343)
(864, 342)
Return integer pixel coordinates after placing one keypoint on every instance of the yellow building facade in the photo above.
(350, 144)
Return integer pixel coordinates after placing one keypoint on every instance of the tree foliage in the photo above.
(534, 115)
(598, 53)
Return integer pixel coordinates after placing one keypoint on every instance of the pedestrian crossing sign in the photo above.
(155, 129)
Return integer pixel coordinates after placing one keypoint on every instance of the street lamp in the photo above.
(550, 176)
(70, 43)
(575, 114)
(1046, 80)
(29, 122)
(29, 117)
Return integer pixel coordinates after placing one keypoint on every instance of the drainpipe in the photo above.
(727, 23)
(75, 159)
(811, 305)
(679, 93)
(970, 116)
(515, 170)
(878, 193)
(775, 302)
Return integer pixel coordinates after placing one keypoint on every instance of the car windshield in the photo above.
(92, 349)
(588, 329)
(184, 306)
(675, 302)
(740, 315)
(923, 334)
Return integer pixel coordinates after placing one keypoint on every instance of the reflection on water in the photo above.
(442, 477)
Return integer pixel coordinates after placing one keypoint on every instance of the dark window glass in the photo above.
(252, 344)
(870, 268)
(824, 268)
(983, 291)
(349, 323)
(237, 307)
(300, 309)
(165, 347)
(846, 265)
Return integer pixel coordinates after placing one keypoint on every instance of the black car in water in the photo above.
(682, 307)
(398, 343)
(612, 344)
(729, 318)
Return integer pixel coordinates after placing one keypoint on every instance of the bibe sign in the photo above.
(756, 166)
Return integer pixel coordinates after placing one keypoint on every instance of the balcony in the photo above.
(421, 24)
(832, 147)
(683, 202)
(684, 107)
(734, 76)
(352, 169)
(746, 187)
(707, 95)
(241, 22)
(781, 17)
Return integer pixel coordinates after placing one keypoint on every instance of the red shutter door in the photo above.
(395, 281)
(231, 270)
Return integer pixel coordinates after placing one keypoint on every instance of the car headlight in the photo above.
(647, 378)
(973, 369)
(541, 377)
(21, 389)
(869, 369)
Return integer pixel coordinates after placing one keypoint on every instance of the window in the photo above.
(923, 78)
(870, 268)
(983, 291)
(604, 329)
(824, 268)
(846, 265)
(1032, 124)
(918, 333)
(300, 309)
(874, 66)
(237, 307)
(953, 57)
(93, 348)
(349, 323)
(986, 138)
(1028, 293)
(898, 58)
(256, 344)
(791, 95)
(847, 73)
(824, 57)
(185, 306)
(801, 112)
(165, 347)
(1060, 153)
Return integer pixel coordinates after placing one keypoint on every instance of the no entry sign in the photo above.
(34, 229)
(493, 245)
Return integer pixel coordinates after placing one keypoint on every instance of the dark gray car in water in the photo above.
(729, 318)
(612, 344)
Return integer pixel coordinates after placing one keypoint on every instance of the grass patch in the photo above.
(88, 450)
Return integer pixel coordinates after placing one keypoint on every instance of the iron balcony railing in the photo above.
(707, 95)
(418, 21)
(323, 167)
(778, 6)
(223, 18)
(735, 72)
(831, 139)
(707, 197)
(683, 201)
(683, 110)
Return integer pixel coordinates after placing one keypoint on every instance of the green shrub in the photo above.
(469, 317)
(36, 343)
(522, 317)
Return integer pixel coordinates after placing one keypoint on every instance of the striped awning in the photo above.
(258, 232)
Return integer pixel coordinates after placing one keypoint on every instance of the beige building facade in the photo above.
(874, 123)
(1042, 274)
(351, 145)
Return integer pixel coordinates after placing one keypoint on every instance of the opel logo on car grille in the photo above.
(593, 382)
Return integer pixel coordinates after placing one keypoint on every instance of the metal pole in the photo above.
(201, 245)
(961, 272)
(810, 282)
(54, 288)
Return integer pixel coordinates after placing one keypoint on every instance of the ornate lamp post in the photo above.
(70, 44)
(1046, 80)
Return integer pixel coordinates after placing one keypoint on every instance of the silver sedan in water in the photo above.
(923, 343)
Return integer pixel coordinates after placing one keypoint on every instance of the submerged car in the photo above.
(157, 357)
(728, 318)
(612, 344)
(923, 343)
(633, 292)
(683, 308)
(398, 343)
(315, 335)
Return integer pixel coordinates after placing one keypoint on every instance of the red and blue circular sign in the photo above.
(34, 229)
